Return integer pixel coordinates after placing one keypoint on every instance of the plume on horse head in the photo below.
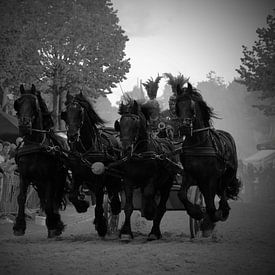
(176, 82)
(152, 86)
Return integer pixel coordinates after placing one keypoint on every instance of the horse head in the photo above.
(80, 117)
(74, 118)
(192, 110)
(130, 125)
(28, 111)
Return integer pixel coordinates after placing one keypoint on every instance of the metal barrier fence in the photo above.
(9, 190)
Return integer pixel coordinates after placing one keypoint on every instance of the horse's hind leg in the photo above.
(19, 227)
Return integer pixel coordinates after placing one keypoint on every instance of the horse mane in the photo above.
(207, 112)
(91, 113)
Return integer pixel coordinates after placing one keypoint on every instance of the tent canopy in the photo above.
(261, 157)
(8, 127)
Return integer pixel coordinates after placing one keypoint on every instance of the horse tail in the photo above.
(233, 190)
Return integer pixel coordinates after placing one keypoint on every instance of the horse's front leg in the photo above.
(19, 227)
(155, 233)
(53, 220)
(81, 206)
(126, 231)
(224, 208)
(193, 210)
(208, 190)
(100, 222)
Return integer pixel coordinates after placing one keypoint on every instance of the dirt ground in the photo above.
(244, 244)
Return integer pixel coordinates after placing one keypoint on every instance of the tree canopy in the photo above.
(68, 42)
(62, 45)
(257, 71)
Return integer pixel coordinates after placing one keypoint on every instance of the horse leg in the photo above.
(192, 210)
(155, 233)
(81, 206)
(53, 220)
(224, 208)
(209, 221)
(100, 222)
(113, 195)
(125, 233)
(149, 205)
(19, 227)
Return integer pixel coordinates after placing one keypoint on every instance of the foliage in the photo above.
(64, 45)
(233, 105)
(257, 71)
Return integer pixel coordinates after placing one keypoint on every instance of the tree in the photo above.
(72, 45)
(257, 71)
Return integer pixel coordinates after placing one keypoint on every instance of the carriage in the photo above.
(163, 127)
(140, 170)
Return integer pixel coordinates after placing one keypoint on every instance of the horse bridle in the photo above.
(74, 103)
(133, 141)
(189, 121)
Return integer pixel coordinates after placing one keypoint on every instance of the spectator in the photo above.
(2, 159)
(12, 150)
(6, 150)
(18, 141)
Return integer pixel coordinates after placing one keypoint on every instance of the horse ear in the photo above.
(63, 115)
(179, 89)
(22, 89)
(189, 88)
(117, 126)
(135, 107)
(15, 105)
(33, 89)
(69, 98)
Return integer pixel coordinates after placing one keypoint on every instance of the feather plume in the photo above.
(152, 86)
(176, 82)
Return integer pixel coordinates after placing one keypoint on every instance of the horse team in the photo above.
(96, 157)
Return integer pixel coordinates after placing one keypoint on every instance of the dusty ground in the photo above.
(244, 244)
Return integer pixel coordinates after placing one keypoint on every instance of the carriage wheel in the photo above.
(196, 197)
(112, 220)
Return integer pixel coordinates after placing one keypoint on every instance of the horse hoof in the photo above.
(207, 233)
(18, 232)
(153, 237)
(54, 233)
(125, 238)
(207, 227)
(81, 206)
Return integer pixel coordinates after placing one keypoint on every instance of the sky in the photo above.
(192, 37)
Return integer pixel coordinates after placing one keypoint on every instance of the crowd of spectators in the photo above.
(7, 156)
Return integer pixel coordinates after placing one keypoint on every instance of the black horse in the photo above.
(145, 166)
(93, 149)
(209, 159)
(38, 163)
